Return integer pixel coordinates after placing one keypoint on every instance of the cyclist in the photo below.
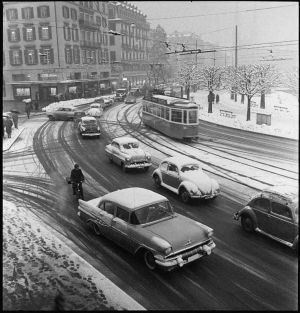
(77, 178)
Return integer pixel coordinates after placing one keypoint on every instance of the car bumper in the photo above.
(236, 216)
(138, 165)
(179, 261)
(210, 196)
(91, 134)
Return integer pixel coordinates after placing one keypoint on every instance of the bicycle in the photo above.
(78, 193)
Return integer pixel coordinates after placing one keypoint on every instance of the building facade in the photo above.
(129, 50)
(55, 47)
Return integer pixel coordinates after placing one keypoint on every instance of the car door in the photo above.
(172, 176)
(261, 207)
(59, 113)
(105, 218)
(282, 221)
(119, 228)
(116, 153)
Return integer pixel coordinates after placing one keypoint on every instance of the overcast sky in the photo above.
(215, 21)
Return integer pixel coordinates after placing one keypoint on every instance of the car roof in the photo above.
(133, 198)
(122, 140)
(288, 192)
(88, 118)
(181, 160)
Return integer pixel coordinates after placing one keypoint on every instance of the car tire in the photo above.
(247, 223)
(149, 260)
(184, 195)
(94, 227)
(157, 181)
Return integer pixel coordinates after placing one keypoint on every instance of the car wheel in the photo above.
(157, 181)
(247, 223)
(184, 195)
(124, 169)
(149, 260)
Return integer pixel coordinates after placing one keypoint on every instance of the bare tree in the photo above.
(211, 79)
(187, 76)
(251, 80)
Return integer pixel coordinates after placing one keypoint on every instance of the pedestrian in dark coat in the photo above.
(8, 126)
(217, 98)
(28, 109)
(15, 118)
(36, 103)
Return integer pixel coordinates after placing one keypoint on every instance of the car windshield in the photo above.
(131, 145)
(152, 213)
(89, 122)
(94, 106)
(190, 167)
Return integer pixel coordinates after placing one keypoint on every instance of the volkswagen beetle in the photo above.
(185, 177)
(144, 223)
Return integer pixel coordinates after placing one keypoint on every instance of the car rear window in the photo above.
(131, 145)
(190, 167)
(89, 122)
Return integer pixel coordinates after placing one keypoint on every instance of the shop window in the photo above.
(27, 13)
(21, 91)
(66, 12)
(12, 14)
(43, 11)
(15, 57)
(53, 91)
(73, 14)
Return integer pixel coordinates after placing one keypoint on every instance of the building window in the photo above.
(45, 32)
(75, 34)
(12, 14)
(67, 32)
(98, 20)
(43, 11)
(112, 40)
(66, 12)
(104, 22)
(29, 33)
(93, 57)
(73, 14)
(76, 55)
(112, 56)
(68, 55)
(13, 34)
(30, 56)
(91, 4)
(27, 13)
(15, 57)
(46, 56)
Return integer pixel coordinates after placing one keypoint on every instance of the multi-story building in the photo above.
(129, 50)
(55, 47)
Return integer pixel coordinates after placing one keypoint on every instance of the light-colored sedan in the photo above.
(95, 110)
(144, 223)
(61, 113)
(185, 177)
(126, 152)
(88, 127)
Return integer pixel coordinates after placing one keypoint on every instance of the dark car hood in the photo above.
(180, 232)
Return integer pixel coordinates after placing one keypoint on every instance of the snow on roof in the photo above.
(181, 160)
(88, 118)
(134, 198)
(122, 140)
(290, 192)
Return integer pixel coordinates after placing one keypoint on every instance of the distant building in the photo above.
(55, 47)
(128, 52)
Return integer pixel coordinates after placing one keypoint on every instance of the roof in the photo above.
(171, 101)
(122, 140)
(134, 198)
(181, 160)
(289, 192)
(88, 118)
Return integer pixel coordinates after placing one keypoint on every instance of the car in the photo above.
(108, 100)
(61, 113)
(135, 91)
(273, 212)
(95, 110)
(120, 94)
(144, 223)
(185, 177)
(126, 152)
(88, 127)
(130, 98)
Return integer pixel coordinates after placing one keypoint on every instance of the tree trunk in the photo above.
(210, 100)
(181, 91)
(243, 98)
(231, 95)
(235, 97)
(188, 92)
(262, 100)
(249, 109)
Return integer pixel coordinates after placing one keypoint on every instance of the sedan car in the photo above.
(126, 152)
(274, 213)
(185, 177)
(61, 113)
(144, 223)
(130, 98)
(88, 127)
(95, 110)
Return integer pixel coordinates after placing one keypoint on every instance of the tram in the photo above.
(172, 116)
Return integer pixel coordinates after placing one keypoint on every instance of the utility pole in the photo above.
(235, 94)
(214, 58)
(196, 53)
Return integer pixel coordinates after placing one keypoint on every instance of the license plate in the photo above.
(193, 257)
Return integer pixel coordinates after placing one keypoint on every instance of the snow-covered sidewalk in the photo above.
(37, 265)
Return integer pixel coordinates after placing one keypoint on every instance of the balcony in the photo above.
(88, 24)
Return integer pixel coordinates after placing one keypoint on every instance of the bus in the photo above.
(172, 116)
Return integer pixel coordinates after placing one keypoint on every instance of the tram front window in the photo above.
(193, 117)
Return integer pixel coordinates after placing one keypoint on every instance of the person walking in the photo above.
(15, 118)
(8, 126)
(28, 108)
(36, 104)
(217, 98)
(77, 178)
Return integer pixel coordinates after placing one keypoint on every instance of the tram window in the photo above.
(167, 115)
(176, 115)
(184, 117)
(193, 117)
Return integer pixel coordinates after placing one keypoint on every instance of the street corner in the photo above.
(8, 142)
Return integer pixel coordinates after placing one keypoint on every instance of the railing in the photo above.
(227, 114)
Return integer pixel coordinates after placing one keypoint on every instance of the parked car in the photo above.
(108, 100)
(273, 212)
(121, 94)
(185, 177)
(144, 223)
(126, 152)
(61, 113)
(95, 110)
(88, 127)
(130, 98)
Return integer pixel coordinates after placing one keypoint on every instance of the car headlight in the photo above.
(98, 128)
(168, 250)
(210, 233)
(83, 128)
